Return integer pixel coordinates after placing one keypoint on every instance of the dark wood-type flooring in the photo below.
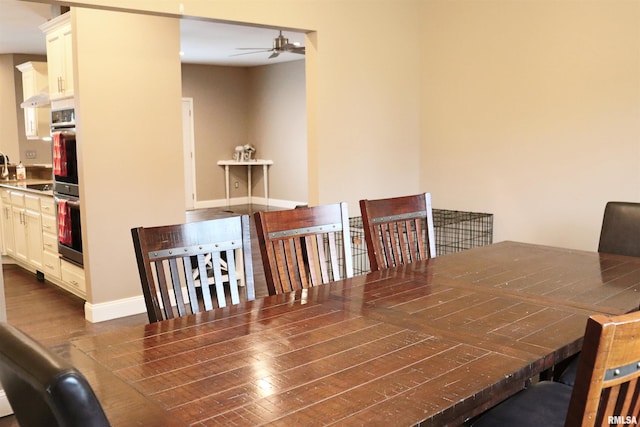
(54, 316)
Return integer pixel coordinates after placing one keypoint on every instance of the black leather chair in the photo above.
(620, 232)
(43, 389)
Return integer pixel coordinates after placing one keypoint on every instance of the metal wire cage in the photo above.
(455, 231)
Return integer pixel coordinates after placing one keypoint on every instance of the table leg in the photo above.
(226, 181)
(249, 182)
(265, 176)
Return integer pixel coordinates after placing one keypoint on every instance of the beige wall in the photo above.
(263, 106)
(14, 142)
(278, 129)
(363, 97)
(128, 103)
(8, 112)
(529, 109)
(532, 112)
(220, 103)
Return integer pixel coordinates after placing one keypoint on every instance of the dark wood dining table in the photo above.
(432, 343)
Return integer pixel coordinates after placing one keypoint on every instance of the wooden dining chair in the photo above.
(606, 390)
(398, 230)
(42, 388)
(304, 247)
(184, 266)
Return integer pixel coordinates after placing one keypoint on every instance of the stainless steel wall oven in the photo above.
(65, 184)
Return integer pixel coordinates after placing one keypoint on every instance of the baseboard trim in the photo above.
(288, 204)
(5, 406)
(100, 312)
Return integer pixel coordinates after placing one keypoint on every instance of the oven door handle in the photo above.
(74, 203)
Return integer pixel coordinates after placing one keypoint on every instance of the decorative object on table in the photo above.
(249, 153)
(244, 153)
(238, 153)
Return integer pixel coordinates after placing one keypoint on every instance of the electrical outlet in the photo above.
(30, 154)
(236, 184)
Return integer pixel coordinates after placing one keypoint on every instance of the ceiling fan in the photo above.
(280, 44)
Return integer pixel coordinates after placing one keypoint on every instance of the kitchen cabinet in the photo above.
(34, 82)
(59, 56)
(50, 256)
(7, 224)
(27, 228)
(73, 278)
(30, 233)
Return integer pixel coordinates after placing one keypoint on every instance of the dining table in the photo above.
(435, 342)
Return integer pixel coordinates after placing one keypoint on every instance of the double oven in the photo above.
(65, 184)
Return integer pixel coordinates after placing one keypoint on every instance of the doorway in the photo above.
(188, 144)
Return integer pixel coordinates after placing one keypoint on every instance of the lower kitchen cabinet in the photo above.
(30, 237)
(8, 242)
(73, 278)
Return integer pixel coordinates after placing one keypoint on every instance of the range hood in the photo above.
(38, 100)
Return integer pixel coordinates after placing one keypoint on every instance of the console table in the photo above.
(259, 162)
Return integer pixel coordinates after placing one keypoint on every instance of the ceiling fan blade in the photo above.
(251, 53)
(297, 49)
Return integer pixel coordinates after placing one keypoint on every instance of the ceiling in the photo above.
(201, 41)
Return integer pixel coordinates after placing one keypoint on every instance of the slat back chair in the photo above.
(606, 390)
(620, 233)
(607, 383)
(304, 247)
(174, 260)
(398, 230)
(42, 388)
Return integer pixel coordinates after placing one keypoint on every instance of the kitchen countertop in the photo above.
(22, 185)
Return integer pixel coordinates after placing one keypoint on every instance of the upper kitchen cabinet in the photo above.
(59, 56)
(34, 84)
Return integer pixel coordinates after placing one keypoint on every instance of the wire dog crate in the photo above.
(454, 230)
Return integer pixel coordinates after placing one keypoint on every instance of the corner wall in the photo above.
(532, 112)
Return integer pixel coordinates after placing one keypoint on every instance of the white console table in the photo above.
(259, 162)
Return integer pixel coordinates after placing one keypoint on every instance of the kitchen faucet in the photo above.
(5, 170)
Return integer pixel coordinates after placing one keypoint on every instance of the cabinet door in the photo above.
(56, 63)
(67, 62)
(33, 226)
(7, 230)
(19, 233)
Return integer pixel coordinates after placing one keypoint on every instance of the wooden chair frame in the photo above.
(166, 256)
(299, 247)
(607, 381)
(394, 231)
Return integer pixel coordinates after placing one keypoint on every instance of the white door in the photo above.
(189, 160)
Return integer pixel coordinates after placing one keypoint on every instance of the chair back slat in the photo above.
(606, 386)
(185, 267)
(304, 247)
(394, 230)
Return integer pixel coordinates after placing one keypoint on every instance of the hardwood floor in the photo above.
(54, 316)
